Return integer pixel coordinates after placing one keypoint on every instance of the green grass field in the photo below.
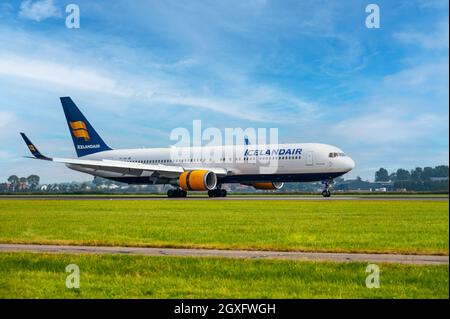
(339, 226)
(27, 275)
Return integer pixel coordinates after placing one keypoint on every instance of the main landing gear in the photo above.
(218, 192)
(176, 192)
(326, 192)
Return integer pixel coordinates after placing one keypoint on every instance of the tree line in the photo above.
(418, 179)
(16, 183)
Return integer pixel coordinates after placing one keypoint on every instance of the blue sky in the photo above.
(139, 69)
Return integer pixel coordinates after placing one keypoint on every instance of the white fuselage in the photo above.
(240, 163)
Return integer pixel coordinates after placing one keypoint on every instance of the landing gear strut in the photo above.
(176, 192)
(326, 192)
(218, 192)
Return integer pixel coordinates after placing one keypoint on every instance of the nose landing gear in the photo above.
(326, 192)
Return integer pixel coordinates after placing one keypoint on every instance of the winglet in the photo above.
(33, 149)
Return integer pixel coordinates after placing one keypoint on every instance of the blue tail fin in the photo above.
(85, 138)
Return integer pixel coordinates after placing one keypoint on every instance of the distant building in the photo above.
(355, 185)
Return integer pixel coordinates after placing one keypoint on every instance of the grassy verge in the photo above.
(26, 275)
(342, 226)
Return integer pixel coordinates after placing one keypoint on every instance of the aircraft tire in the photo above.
(326, 193)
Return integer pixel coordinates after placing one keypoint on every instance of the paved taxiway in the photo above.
(305, 198)
(255, 254)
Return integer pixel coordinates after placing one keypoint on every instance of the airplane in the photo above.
(205, 168)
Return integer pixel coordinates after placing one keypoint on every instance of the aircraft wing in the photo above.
(121, 165)
(132, 168)
(125, 168)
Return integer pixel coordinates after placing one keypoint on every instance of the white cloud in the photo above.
(182, 63)
(409, 106)
(257, 106)
(435, 39)
(423, 78)
(383, 127)
(65, 75)
(39, 10)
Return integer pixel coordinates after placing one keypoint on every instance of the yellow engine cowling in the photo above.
(199, 180)
(268, 185)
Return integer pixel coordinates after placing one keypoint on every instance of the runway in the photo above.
(233, 197)
(240, 254)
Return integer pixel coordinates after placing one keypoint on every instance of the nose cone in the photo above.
(349, 164)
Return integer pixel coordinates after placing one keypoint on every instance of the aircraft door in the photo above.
(310, 158)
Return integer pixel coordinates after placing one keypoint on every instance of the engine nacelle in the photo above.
(267, 185)
(199, 180)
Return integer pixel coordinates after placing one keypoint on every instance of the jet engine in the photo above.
(198, 180)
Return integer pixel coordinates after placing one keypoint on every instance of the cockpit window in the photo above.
(335, 154)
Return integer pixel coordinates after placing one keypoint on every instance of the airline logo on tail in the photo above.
(79, 130)
(32, 148)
